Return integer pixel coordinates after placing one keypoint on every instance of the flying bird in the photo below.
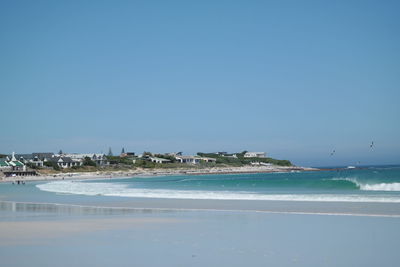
(372, 144)
(333, 152)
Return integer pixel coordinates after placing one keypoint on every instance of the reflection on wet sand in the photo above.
(67, 209)
(29, 223)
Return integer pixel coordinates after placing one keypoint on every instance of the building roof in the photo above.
(18, 163)
(186, 157)
(15, 163)
(62, 159)
(175, 154)
(82, 156)
(3, 163)
(43, 155)
(24, 156)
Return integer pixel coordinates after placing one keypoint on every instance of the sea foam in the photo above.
(381, 187)
(370, 186)
(123, 190)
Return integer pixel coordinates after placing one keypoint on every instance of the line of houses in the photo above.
(184, 159)
(17, 163)
(198, 159)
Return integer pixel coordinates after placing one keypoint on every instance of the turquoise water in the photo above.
(370, 184)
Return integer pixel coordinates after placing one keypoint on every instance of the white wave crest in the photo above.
(381, 187)
(372, 186)
(121, 190)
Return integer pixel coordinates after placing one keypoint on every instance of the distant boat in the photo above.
(351, 167)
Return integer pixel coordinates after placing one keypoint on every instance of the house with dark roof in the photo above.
(66, 162)
(36, 159)
(43, 156)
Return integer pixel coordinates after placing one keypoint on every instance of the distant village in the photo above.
(31, 164)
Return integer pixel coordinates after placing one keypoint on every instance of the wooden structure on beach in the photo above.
(19, 173)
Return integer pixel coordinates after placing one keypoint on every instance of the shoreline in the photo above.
(157, 172)
(124, 210)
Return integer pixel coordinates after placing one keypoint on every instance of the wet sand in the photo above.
(195, 238)
(39, 231)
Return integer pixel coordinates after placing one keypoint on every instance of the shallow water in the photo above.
(372, 184)
(328, 192)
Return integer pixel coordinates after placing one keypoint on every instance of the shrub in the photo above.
(88, 162)
(52, 164)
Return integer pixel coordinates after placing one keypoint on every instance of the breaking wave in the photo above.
(123, 190)
(368, 186)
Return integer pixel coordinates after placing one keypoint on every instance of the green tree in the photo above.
(147, 154)
(88, 162)
(52, 164)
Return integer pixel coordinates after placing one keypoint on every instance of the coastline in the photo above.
(157, 172)
(156, 205)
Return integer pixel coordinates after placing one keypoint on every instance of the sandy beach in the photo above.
(156, 172)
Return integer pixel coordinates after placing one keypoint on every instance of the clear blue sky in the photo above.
(296, 79)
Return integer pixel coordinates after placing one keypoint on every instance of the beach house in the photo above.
(66, 162)
(99, 159)
(255, 155)
(14, 167)
(188, 159)
(30, 159)
(159, 160)
(15, 164)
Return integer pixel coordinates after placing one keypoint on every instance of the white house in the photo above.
(66, 162)
(36, 162)
(100, 159)
(255, 155)
(159, 160)
(188, 159)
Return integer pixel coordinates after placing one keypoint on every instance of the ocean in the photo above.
(380, 184)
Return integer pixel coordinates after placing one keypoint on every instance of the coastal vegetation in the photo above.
(64, 163)
(117, 160)
(238, 159)
(52, 164)
(88, 162)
